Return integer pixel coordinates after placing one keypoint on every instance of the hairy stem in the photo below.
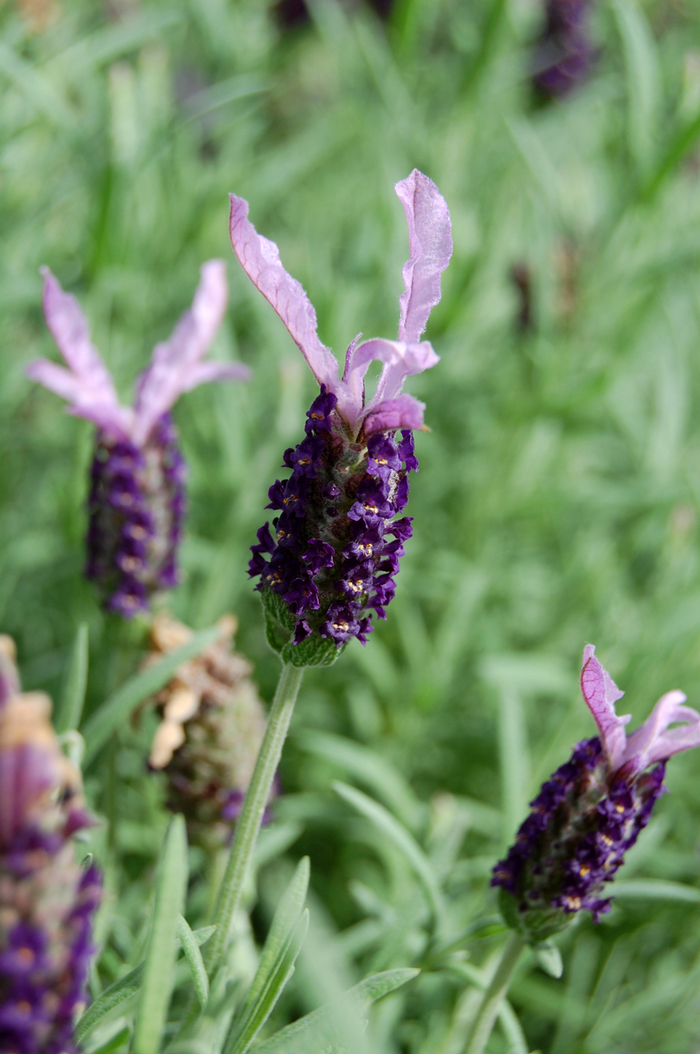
(250, 819)
(491, 999)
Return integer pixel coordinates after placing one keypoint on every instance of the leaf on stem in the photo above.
(276, 966)
(159, 965)
(70, 708)
(311, 1034)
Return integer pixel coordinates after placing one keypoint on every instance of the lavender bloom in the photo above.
(137, 481)
(46, 899)
(564, 54)
(590, 811)
(336, 543)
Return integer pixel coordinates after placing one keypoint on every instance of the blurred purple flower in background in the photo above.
(336, 546)
(137, 495)
(564, 54)
(46, 899)
(591, 811)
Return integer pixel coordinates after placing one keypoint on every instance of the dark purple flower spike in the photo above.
(46, 899)
(590, 811)
(336, 544)
(137, 497)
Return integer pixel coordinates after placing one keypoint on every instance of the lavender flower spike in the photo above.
(336, 546)
(590, 812)
(137, 496)
(46, 899)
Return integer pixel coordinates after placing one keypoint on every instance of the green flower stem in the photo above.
(492, 997)
(250, 819)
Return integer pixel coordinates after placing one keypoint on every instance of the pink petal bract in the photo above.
(175, 366)
(387, 416)
(430, 242)
(86, 384)
(601, 693)
(655, 741)
(69, 328)
(260, 259)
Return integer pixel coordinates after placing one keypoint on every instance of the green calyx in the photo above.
(536, 925)
(279, 628)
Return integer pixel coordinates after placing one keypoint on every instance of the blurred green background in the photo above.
(557, 501)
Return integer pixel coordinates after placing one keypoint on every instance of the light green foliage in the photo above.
(158, 967)
(557, 500)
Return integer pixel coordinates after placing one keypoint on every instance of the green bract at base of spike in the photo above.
(536, 927)
(279, 628)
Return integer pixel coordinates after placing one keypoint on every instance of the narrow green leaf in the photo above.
(298, 1037)
(244, 1032)
(285, 919)
(549, 958)
(655, 889)
(194, 959)
(159, 965)
(115, 710)
(115, 1042)
(643, 79)
(369, 767)
(402, 839)
(122, 989)
(202, 935)
(70, 709)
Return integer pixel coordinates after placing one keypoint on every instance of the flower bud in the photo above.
(212, 726)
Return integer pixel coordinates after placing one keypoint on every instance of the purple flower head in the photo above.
(46, 900)
(137, 496)
(332, 553)
(590, 811)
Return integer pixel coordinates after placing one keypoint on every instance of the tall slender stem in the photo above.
(493, 996)
(250, 818)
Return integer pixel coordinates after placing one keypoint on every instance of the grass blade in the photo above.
(194, 959)
(402, 839)
(70, 709)
(159, 966)
(260, 1009)
(369, 767)
(122, 989)
(298, 1037)
(655, 889)
(285, 919)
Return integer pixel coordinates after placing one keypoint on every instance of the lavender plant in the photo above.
(585, 818)
(137, 499)
(337, 544)
(47, 900)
